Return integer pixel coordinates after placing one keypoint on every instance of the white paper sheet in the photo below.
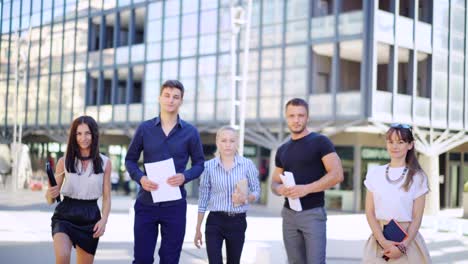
(288, 180)
(158, 172)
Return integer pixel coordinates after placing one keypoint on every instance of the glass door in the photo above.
(454, 186)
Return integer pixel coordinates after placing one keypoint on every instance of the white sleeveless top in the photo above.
(391, 200)
(87, 186)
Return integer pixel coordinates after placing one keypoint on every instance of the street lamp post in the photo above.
(17, 120)
(14, 145)
(239, 19)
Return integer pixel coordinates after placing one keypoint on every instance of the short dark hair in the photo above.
(298, 102)
(172, 84)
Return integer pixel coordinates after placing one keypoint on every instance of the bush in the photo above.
(465, 187)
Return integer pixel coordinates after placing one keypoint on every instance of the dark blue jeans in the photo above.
(231, 228)
(145, 231)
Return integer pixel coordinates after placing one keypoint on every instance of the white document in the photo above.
(288, 180)
(158, 172)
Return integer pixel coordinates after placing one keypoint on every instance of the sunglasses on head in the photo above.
(398, 125)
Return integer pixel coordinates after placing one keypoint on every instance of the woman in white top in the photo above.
(83, 176)
(396, 191)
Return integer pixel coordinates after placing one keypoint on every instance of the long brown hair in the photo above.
(412, 162)
(73, 150)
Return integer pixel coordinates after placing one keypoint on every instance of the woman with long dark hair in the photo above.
(82, 176)
(396, 191)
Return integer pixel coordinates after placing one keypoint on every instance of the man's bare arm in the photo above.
(277, 186)
(334, 176)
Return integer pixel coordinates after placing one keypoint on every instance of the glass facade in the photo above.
(352, 60)
(440, 74)
(108, 58)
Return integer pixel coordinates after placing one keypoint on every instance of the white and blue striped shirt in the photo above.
(217, 185)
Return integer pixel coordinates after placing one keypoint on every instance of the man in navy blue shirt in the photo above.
(161, 138)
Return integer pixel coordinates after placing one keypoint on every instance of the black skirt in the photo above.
(77, 218)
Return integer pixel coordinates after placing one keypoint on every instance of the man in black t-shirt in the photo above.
(312, 159)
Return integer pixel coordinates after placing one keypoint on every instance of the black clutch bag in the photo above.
(51, 176)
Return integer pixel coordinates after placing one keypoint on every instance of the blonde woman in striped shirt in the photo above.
(221, 194)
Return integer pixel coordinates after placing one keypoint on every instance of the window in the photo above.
(124, 30)
(350, 66)
(385, 5)
(423, 83)
(93, 36)
(323, 83)
(106, 98)
(424, 11)
(93, 83)
(405, 9)
(130, 22)
(383, 62)
(322, 60)
(404, 71)
(137, 88)
(324, 8)
(139, 22)
(137, 85)
(347, 6)
(125, 78)
(109, 38)
(121, 92)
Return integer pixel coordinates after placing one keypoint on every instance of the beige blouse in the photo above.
(84, 185)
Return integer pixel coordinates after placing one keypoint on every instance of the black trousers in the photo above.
(221, 226)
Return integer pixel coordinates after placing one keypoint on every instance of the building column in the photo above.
(464, 194)
(273, 201)
(430, 165)
(357, 177)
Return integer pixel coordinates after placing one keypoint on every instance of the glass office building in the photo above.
(361, 65)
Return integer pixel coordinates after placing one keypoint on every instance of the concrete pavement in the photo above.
(25, 234)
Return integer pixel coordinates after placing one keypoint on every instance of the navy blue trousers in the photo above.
(171, 220)
(222, 227)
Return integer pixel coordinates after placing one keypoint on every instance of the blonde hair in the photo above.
(218, 134)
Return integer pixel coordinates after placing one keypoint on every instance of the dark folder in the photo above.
(394, 232)
(51, 176)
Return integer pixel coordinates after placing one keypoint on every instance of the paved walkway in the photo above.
(25, 228)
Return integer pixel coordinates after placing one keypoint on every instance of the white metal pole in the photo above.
(234, 32)
(24, 57)
(233, 80)
(14, 145)
(245, 72)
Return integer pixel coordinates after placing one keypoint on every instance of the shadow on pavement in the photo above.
(41, 206)
(448, 251)
(107, 253)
